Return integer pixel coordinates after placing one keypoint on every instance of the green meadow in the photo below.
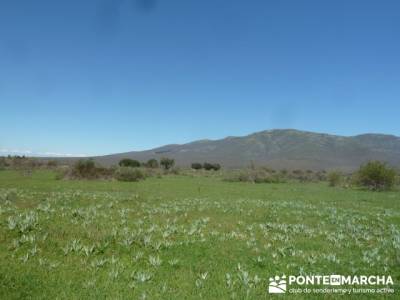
(187, 237)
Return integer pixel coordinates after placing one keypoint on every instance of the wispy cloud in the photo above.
(4, 151)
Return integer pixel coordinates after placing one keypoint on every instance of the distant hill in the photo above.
(283, 148)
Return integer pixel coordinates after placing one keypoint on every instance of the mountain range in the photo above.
(281, 148)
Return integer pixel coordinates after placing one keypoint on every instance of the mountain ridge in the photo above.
(277, 148)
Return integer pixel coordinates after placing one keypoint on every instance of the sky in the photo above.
(105, 76)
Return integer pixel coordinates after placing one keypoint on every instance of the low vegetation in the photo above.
(255, 175)
(185, 237)
(25, 163)
(374, 175)
(86, 169)
(129, 174)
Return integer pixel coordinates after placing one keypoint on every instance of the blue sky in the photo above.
(104, 76)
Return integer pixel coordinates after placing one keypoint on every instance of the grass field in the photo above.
(181, 237)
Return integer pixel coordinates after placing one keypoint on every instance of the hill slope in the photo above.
(278, 149)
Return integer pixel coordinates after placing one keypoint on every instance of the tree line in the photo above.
(165, 162)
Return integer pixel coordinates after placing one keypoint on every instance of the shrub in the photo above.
(63, 172)
(152, 163)
(320, 176)
(175, 170)
(334, 178)
(197, 166)
(297, 172)
(127, 162)
(376, 176)
(129, 174)
(397, 180)
(152, 172)
(167, 163)
(208, 166)
(255, 176)
(3, 163)
(52, 163)
(217, 167)
(274, 178)
(84, 168)
(20, 163)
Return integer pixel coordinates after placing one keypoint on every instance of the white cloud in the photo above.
(4, 151)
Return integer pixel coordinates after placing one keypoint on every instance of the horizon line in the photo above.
(50, 154)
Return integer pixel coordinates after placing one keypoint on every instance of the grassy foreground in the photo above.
(182, 237)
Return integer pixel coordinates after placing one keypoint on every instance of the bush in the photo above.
(335, 178)
(297, 172)
(175, 171)
(217, 167)
(284, 172)
(208, 166)
(84, 168)
(376, 176)
(62, 172)
(127, 162)
(52, 163)
(197, 166)
(320, 176)
(152, 163)
(167, 163)
(129, 174)
(152, 172)
(255, 176)
(3, 163)
(87, 169)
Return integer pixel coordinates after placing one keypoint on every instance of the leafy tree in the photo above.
(152, 163)
(208, 166)
(127, 162)
(376, 176)
(216, 167)
(167, 163)
(197, 166)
